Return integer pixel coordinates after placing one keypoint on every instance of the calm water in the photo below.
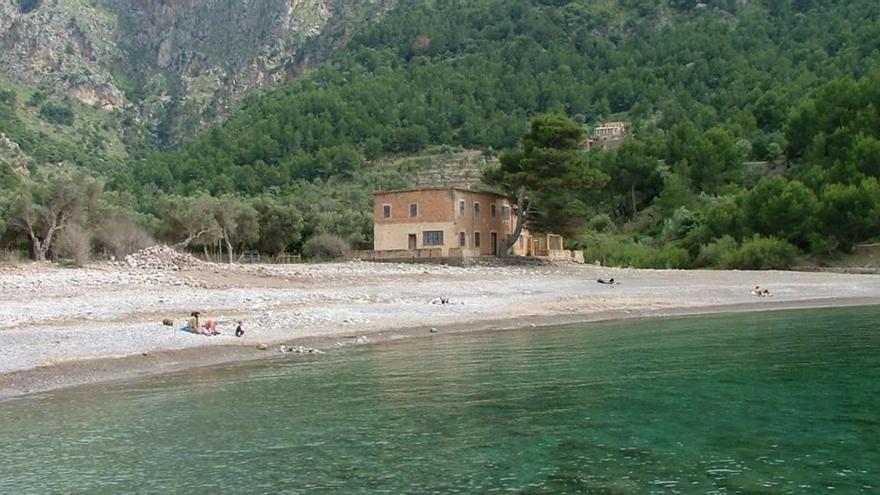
(759, 403)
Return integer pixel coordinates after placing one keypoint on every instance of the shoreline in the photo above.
(85, 372)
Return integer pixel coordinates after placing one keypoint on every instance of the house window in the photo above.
(462, 239)
(494, 210)
(505, 213)
(386, 211)
(476, 210)
(461, 208)
(432, 238)
(413, 210)
(476, 239)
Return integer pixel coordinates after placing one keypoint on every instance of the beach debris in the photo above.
(433, 330)
(161, 257)
(284, 349)
(168, 322)
(262, 347)
(362, 340)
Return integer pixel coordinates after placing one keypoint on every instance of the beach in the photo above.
(63, 327)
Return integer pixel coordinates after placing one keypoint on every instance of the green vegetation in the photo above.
(326, 247)
(550, 177)
(473, 74)
(755, 131)
(52, 132)
(57, 113)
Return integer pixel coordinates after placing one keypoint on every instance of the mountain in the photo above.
(472, 73)
(168, 68)
(753, 128)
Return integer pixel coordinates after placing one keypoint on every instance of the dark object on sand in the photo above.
(610, 281)
(168, 322)
(239, 330)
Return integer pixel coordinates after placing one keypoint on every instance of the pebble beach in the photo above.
(59, 325)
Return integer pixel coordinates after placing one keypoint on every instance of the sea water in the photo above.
(777, 402)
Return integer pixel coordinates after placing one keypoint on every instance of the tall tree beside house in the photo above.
(550, 177)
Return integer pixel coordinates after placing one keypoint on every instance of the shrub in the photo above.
(612, 252)
(123, 237)
(12, 256)
(671, 257)
(326, 247)
(57, 113)
(680, 224)
(601, 223)
(75, 243)
(712, 253)
(761, 253)
(8, 98)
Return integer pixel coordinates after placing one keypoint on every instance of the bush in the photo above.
(712, 253)
(612, 252)
(761, 253)
(122, 237)
(680, 224)
(75, 243)
(326, 247)
(601, 223)
(57, 113)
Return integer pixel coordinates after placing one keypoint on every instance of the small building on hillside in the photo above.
(609, 135)
(450, 222)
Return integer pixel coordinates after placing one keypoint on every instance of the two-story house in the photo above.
(451, 221)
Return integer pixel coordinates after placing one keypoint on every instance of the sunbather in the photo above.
(210, 328)
(193, 325)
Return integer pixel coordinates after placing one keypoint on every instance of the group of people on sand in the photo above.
(209, 327)
(758, 291)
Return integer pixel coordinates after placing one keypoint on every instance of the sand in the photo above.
(63, 326)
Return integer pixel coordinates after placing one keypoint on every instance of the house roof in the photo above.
(440, 188)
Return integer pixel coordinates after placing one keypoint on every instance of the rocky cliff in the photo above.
(174, 66)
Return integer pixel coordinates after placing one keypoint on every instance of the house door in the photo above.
(412, 242)
(494, 237)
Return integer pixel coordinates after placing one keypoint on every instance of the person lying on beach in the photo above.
(193, 325)
(610, 281)
(758, 291)
(210, 328)
(239, 330)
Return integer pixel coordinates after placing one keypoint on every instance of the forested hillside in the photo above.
(473, 73)
(707, 87)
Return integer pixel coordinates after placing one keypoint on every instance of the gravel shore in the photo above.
(64, 326)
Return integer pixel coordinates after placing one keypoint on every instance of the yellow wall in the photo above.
(395, 236)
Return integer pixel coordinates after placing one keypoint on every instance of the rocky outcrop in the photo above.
(179, 65)
(65, 47)
(11, 154)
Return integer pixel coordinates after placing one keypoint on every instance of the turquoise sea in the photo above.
(777, 402)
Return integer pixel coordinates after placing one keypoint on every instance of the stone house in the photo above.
(609, 135)
(450, 222)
